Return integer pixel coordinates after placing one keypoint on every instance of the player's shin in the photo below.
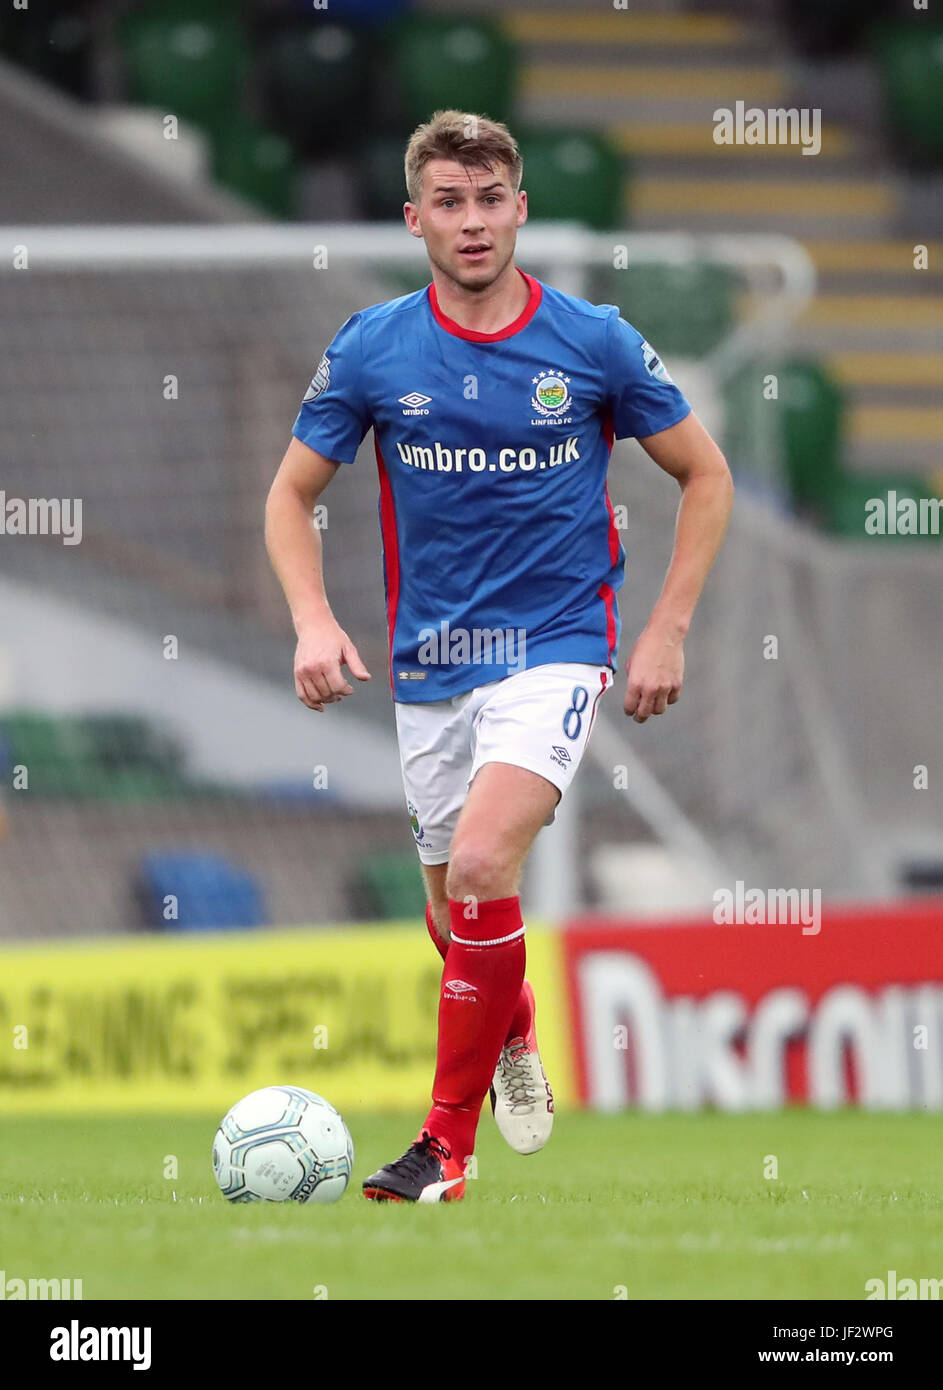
(523, 1015)
(481, 987)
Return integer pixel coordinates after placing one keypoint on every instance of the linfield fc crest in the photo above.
(551, 396)
(320, 381)
(414, 820)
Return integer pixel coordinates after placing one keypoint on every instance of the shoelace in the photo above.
(414, 1157)
(517, 1077)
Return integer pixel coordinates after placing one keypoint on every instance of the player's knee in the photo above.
(478, 870)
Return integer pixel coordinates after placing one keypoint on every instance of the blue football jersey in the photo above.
(500, 550)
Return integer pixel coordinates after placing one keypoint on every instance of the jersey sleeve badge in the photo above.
(319, 382)
(654, 365)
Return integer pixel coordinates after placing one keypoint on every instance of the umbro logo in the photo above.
(561, 753)
(460, 989)
(415, 402)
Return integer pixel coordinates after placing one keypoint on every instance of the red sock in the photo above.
(520, 1023)
(481, 985)
(521, 1019)
(441, 945)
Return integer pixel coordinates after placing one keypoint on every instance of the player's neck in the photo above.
(483, 311)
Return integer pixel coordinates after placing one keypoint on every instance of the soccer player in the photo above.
(494, 401)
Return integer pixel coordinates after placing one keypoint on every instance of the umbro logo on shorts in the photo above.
(459, 986)
(562, 754)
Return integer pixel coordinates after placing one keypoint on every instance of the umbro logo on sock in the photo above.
(459, 989)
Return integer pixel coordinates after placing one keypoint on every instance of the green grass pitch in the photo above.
(658, 1206)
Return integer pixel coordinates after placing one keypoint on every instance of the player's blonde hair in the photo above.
(474, 141)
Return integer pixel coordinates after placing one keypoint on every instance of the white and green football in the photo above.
(283, 1144)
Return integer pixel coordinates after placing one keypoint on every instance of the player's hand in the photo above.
(655, 674)
(322, 650)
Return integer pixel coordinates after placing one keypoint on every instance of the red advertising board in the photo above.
(681, 1015)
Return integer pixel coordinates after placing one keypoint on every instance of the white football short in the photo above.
(539, 718)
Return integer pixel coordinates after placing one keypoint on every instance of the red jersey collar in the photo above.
(523, 319)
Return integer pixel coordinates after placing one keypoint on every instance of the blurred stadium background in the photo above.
(195, 195)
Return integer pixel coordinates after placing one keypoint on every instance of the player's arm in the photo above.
(294, 547)
(656, 667)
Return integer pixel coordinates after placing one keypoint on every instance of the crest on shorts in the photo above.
(320, 381)
(414, 820)
(551, 394)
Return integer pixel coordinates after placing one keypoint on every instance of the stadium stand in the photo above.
(173, 488)
(584, 90)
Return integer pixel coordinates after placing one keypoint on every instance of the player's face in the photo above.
(468, 218)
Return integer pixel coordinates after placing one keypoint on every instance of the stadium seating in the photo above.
(118, 740)
(573, 175)
(808, 419)
(208, 891)
(811, 425)
(847, 504)
(824, 27)
(382, 178)
(113, 757)
(192, 67)
(56, 46)
(314, 84)
(910, 60)
(57, 754)
(810, 422)
(441, 62)
(361, 11)
(258, 165)
(209, 10)
(684, 310)
(392, 885)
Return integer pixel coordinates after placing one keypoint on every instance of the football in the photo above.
(282, 1144)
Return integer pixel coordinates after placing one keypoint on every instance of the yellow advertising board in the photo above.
(194, 1022)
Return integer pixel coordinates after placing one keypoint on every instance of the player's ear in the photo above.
(412, 219)
(521, 208)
